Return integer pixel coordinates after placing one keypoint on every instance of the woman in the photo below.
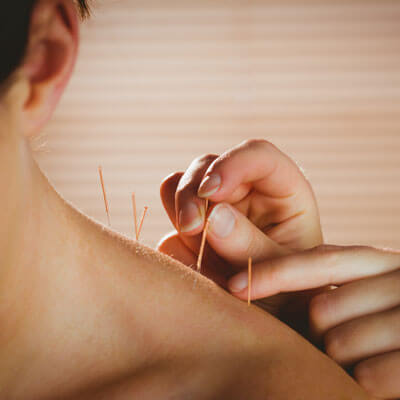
(88, 314)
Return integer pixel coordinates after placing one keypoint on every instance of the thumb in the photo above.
(234, 238)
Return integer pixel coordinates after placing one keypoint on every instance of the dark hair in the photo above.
(14, 29)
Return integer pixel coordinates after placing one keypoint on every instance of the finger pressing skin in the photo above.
(321, 266)
(234, 238)
(364, 337)
(353, 300)
(190, 208)
(379, 376)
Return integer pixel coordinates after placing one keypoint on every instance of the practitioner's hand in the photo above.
(261, 182)
(359, 322)
(266, 208)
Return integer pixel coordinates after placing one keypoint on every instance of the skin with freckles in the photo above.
(88, 314)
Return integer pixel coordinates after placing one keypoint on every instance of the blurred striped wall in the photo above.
(160, 82)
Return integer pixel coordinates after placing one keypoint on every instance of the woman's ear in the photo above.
(50, 58)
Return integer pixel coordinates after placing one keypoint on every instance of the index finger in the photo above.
(322, 266)
(258, 162)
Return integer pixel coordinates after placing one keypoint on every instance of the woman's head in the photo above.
(38, 46)
(39, 41)
(14, 32)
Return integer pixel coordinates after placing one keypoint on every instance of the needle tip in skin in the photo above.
(104, 194)
(141, 222)
(135, 215)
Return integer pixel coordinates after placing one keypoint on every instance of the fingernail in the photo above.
(190, 218)
(238, 283)
(209, 185)
(222, 221)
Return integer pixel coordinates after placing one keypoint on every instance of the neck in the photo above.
(95, 313)
(69, 286)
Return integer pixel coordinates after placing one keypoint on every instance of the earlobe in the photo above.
(50, 58)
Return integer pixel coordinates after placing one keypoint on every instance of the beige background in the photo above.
(161, 82)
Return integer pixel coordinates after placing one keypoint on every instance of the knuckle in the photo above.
(257, 143)
(191, 178)
(274, 273)
(170, 184)
(329, 257)
(319, 309)
(172, 178)
(206, 158)
(365, 375)
(335, 346)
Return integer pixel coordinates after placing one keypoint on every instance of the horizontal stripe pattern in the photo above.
(159, 83)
